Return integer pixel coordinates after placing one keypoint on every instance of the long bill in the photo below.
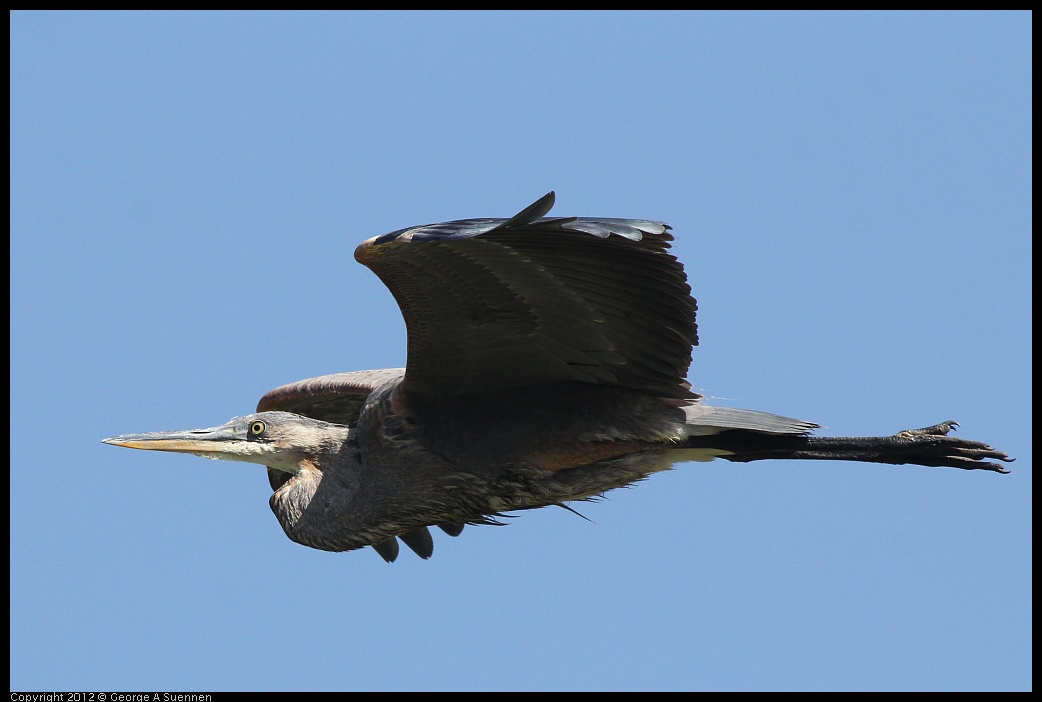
(227, 442)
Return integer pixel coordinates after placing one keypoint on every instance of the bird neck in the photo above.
(318, 505)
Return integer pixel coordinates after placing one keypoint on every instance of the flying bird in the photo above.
(547, 359)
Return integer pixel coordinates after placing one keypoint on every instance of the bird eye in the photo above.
(257, 428)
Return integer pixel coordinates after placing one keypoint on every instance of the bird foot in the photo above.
(958, 453)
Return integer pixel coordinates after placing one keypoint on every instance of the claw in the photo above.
(960, 453)
(941, 429)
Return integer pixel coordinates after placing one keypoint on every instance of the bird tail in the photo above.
(705, 420)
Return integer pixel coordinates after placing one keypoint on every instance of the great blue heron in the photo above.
(546, 364)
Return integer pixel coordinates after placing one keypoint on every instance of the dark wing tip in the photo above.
(420, 541)
(387, 549)
(453, 529)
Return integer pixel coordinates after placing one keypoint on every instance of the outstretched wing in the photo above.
(494, 304)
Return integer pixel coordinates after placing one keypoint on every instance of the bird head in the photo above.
(279, 440)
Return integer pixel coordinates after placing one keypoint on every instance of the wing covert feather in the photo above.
(336, 398)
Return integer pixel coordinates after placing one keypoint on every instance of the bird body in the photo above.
(409, 465)
(547, 364)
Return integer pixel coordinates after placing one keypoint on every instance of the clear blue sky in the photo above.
(851, 197)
